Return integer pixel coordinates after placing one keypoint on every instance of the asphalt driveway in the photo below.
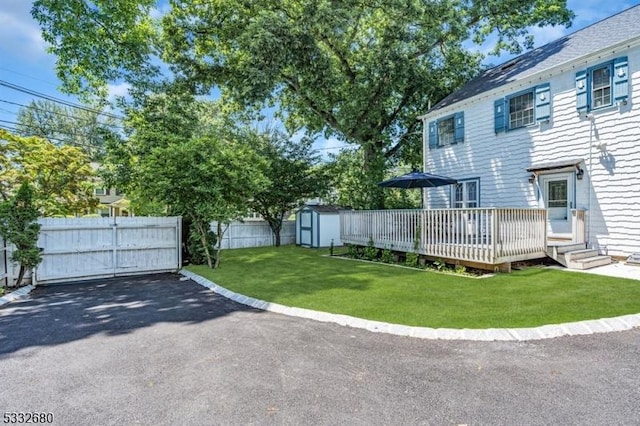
(157, 350)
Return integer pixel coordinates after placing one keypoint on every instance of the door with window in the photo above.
(466, 195)
(557, 192)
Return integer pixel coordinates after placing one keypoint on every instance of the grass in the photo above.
(295, 276)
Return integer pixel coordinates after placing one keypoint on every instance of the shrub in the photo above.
(370, 252)
(411, 259)
(386, 256)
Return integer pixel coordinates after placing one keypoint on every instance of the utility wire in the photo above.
(115, 126)
(54, 99)
(64, 141)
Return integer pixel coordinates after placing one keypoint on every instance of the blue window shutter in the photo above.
(543, 102)
(433, 135)
(620, 79)
(500, 115)
(581, 91)
(458, 127)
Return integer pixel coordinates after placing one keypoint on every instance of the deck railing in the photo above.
(485, 235)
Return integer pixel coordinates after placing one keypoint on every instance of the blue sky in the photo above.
(25, 63)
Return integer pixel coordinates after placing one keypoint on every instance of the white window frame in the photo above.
(446, 138)
(592, 89)
(520, 118)
(466, 202)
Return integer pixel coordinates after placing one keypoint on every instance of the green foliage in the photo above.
(187, 158)
(197, 248)
(18, 226)
(291, 173)
(439, 265)
(62, 178)
(386, 256)
(460, 269)
(85, 129)
(411, 259)
(358, 71)
(353, 251)
(370, 251)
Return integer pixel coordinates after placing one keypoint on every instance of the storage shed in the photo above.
(317, 225)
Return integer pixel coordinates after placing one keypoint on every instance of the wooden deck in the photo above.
(487, 236)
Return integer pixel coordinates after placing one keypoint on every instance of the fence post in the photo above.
(494, 234)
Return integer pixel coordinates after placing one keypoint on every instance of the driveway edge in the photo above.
(17, 294)
(603, 325)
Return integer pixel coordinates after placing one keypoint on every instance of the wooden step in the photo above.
(590, 262)
(575, 255)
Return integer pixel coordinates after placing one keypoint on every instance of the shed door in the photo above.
(305, 228)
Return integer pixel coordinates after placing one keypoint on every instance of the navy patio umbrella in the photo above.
(417, 180)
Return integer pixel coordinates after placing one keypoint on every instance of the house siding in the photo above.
(500, 160)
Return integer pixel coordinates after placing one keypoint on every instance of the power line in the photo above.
(50, 138)
(115, 126)
(54, 99)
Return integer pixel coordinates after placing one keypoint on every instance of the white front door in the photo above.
(557, 193)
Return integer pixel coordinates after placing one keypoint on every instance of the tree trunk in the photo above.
(220, 233)
(374, 170)
(21, 273)
(205, 244)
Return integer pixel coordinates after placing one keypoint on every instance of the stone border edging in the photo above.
(17, 294)
(603, 325)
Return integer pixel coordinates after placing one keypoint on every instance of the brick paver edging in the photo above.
(17, 294)
(603, 325)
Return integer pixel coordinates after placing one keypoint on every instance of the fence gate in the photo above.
(85, 248)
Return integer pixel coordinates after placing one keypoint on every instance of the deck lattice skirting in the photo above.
(484, 235)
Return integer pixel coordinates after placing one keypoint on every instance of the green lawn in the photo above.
(295, 276)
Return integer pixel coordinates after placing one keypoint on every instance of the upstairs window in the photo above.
(603, 85)
(523, 109)
(446, 131)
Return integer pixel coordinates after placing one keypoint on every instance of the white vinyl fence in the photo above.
(6, 278)
(256, 233)
(85, 248)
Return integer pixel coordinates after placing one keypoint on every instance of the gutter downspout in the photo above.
(592, 124)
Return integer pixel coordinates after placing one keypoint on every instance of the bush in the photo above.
(370, 252)
(196, 250)
(411, 259)
(386, 256)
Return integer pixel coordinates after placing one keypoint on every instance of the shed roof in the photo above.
(322, 208)
(601, 35)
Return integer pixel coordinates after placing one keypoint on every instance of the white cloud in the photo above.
(19, 32)
(116, 90)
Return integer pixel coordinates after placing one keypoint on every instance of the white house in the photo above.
(555, 128)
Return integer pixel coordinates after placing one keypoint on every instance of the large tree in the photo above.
(359, 70)
(293, 176)
(186, 157)
(85, 128)
(61, 177)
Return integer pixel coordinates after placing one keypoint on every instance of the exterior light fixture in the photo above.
(621, 72)
(532, 178)
(579, 173)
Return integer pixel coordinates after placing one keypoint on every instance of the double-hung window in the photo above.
(521, 112)
(523, 109)
(602, 85)
(446, 131)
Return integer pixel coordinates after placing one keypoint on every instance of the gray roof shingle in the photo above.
(608, 32)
